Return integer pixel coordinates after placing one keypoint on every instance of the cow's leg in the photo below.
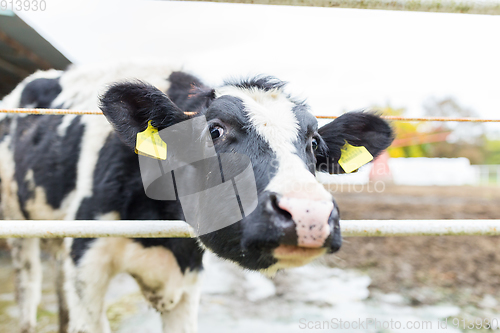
(61, 294)
(175, 294)
(28, 279)
(89, 270)
(184, 316)
(58, 253)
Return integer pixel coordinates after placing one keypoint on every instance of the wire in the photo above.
(50, 111)
(397, 118)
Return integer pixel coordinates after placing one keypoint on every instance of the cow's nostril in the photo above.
(275, 198)
(334, 240)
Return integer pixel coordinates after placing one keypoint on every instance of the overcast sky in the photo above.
(340, 59)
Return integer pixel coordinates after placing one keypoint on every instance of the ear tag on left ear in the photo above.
(352, 158)
(149, 143)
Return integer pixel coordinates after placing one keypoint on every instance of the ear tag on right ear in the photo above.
(149, 143)
(352, 158)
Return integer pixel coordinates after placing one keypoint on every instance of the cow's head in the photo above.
(296, 219)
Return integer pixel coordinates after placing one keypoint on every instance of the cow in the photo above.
(73, 167)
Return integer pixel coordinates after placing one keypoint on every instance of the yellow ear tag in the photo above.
(352, 158)
(149, 143)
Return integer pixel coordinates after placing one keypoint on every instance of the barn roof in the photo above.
(23, 51)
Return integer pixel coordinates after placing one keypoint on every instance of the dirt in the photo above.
(460, 269)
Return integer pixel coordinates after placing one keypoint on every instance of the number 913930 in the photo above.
(478, 323)
(23, 5)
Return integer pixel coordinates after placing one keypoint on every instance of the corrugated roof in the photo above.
(23, 51)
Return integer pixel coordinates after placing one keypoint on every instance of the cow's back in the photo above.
(48, 163)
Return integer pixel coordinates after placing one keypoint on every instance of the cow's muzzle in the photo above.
(306, 223)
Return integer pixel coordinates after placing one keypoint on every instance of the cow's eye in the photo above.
(314, 143)
(216, 132)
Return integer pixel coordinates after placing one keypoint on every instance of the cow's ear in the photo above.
(356, 128)
(129, 106)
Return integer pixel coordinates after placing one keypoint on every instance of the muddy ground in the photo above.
(428, 269)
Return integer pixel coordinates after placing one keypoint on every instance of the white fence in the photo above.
(180, 229)
(487, 174)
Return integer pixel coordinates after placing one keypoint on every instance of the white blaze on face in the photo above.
(271, 114)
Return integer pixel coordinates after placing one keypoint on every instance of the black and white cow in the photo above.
(84, 167)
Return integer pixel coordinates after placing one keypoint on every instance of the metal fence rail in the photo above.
(94, 228)
(180, 229)
(395, 228)
(487, 7)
